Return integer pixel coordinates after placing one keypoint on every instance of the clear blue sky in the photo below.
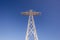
(13, 25)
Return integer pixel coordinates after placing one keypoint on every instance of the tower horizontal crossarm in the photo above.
(30, 13)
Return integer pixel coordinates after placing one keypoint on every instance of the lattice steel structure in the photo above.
(31, 30)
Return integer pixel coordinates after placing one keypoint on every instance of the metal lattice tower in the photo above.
(31, 30)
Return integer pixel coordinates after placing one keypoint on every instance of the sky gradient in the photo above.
(13, 25)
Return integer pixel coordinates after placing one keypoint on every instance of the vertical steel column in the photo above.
(31, 29)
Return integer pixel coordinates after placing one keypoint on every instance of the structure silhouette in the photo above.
(31, 30)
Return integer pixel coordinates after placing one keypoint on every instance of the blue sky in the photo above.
(13, 25)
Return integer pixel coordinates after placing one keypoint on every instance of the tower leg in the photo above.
(31, 29)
